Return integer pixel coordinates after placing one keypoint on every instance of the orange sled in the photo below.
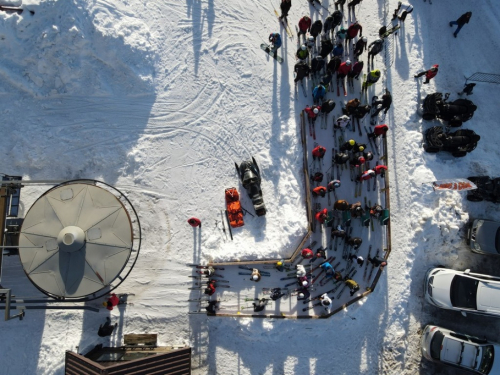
(234, 210)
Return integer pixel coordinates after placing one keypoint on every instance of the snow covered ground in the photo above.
(160, 98)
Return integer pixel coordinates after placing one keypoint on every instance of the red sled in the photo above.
(234, 210)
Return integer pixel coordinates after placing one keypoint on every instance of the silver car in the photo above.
(484, 237)
(463, 291)
(457, 349)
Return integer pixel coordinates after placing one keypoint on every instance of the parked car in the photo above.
(463, 291)
(484, 237)
(488, 189)
(459, 350)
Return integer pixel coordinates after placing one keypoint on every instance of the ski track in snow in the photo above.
(159, 99)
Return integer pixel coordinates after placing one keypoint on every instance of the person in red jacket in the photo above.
(307, 253)
(367, 175)
(344, 69)
(322, 215)
(379, 130)
(318, 152)
(194, 222)
(111, 302)
(319, 191)
(312, 112)
(429, 74)
(304, 26)
(352, 31)
(380, 169)
(210, 289)
(356, 70)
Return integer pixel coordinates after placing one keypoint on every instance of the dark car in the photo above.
(458, 143)
(488, 189)
(249, 173)
(456, 112)
(484, 237)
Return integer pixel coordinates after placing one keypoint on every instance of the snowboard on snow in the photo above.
(274, 55)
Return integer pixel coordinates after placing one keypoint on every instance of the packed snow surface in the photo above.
(161, 98)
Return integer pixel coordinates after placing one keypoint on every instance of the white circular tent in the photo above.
(75, 240)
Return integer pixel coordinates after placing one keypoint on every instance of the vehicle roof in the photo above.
(488, 297)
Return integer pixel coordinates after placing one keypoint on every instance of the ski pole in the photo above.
(244, 209)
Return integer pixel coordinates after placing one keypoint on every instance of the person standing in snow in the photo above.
(255, 276)
(317, 64)
(375, 210)
(111, 302)
(319, 191)
(358, 258)
(194, 222)
(276, 294)
(338, 51)
(326, 302)
(316, 29)
(374, 48)
(328, 268)
(304, 26)
(332, 185)
(208, 271)
(260, 305)
(372, 78)
(377, 261)
(341, 205)
(429, 74)
(322, 215)
(380, 170)
(352, 32)
(301, 70)
(360, 47)
(407, 10)
(344, 69)
(312, 112)
(326, 48)
(356, 70)
(355, 242)
(464, 18)
(302, 54)
(379, 130)
(356, 209)
(300, 270)
(353, 285)
(280, 265)
(342, 122)
(366, 175)
(212, 307)
(318, 152)
(327, 107)
(467, 89)
(353, 3)
(106, 329)
(318, 94)
(384, 104)
(351, 106)
(356, 161)
(320, 253)
(338, 232)
(303, 294)
(210, 289)
(275, 39)
(341, 158)
(368, 155)
(285, 8)
(333, 65)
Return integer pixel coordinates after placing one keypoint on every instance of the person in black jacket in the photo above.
(326, 48)
(301, 70)
(106, 329)
(385, 103)
(464, 18)
(316, 28)
(285, 8)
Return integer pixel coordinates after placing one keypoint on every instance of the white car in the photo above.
(463, 351)
(463, 291)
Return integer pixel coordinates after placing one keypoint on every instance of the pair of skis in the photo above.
(343, 87)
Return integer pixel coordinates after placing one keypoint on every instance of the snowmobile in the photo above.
(459, 143)
(456, 112)
(487, 189)
(249, 173)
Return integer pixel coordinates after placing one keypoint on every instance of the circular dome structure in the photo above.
(75, 240)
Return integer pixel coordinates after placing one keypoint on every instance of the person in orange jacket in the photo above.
(319, 191)
(429, 74)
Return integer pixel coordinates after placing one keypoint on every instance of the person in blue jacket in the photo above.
(338, 50)
(319, 93)
(275, 39)
(328, 268)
